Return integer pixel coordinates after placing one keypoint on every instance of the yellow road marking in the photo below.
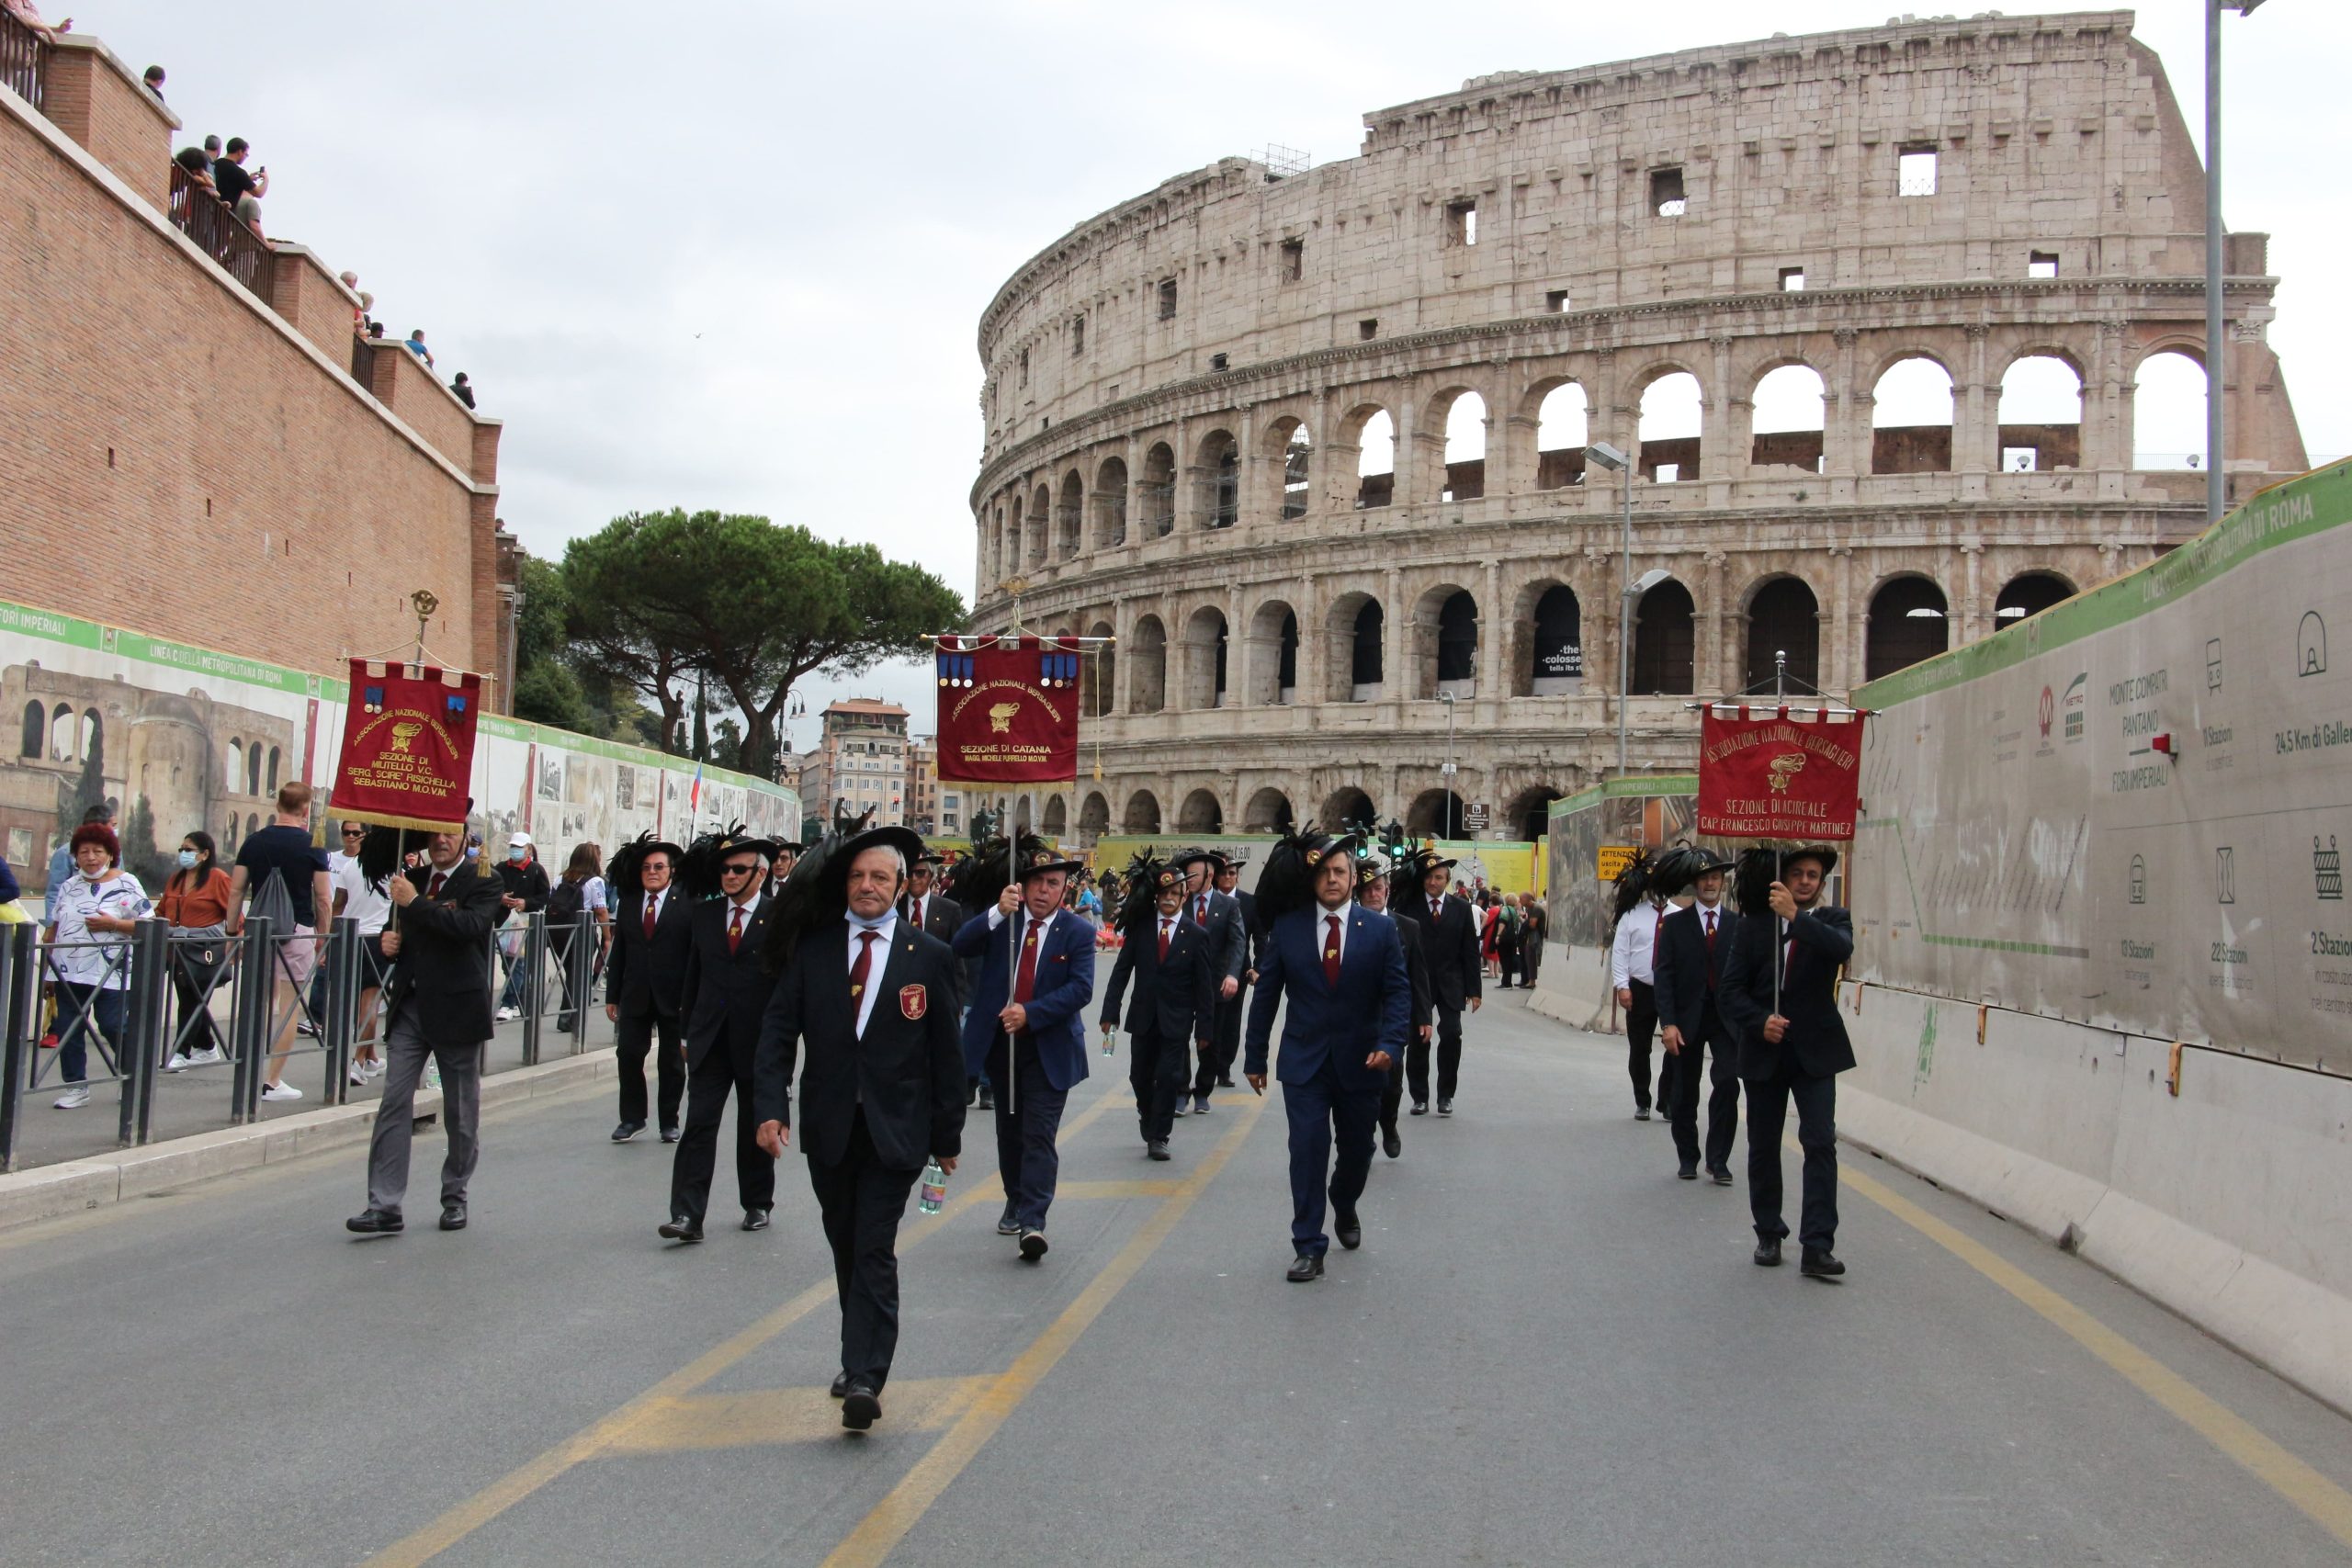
(772, 1416)
(1139, 1189)
(880, 1531)
(423, 1545)
(2320, 1499)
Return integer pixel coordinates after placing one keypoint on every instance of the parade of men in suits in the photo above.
(861, 1008)
(1388, 889)
(1779, 990)
(721, 1002)
(926, 908)
(1456, 983)
(1338, 971)
(1687, 967)
(645, 981)
(1025, 1028)
(1174, 1006)
(1219, 915)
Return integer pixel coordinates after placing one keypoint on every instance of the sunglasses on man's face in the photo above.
(737, 870)
(353, 833)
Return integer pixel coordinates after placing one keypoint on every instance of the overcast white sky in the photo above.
(733, 254)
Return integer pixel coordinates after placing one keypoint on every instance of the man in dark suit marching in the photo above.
(1692, 944)
(864, 995)
(1794, 1049)
(1233, 1012)
(1175, 998)
(1218, 915)
(645, 980)
(1387, 891)
(724, 997)
(929, 910)
(1027, 1027)
(436, 1005)
(1341, 969)
(1450, 937)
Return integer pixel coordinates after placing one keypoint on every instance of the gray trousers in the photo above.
(405, 1049)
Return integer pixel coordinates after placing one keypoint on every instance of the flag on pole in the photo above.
(694, 795)
(408, 746)
(1779, 773)
(1008, 709)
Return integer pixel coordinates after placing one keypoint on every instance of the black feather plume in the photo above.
(980, 877)
(698, 867)
(1633, 885)
(624, 872)
(799, 905)
(379, 853)
(1140, 907)
(1756, 871)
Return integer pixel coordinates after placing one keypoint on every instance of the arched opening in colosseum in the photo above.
(1562, 429)
(1041, 520)
(1110, 503)
(34, 733)
(1143, 813)
(1549, 659)
(994, 568)
(1909, 621)
(1445, 643)
(1202, 660)
(1093, 818)
(1201, 814)
(1355, 629)
(237, 779)
(1024, 816)
(2168, 410)
(1664, 641)
(64, 732)
(1465, 447)
(269, 783)
(1056, 818)
(253, 769)
(1149, 658)
(1270, 655)
(1347, 807)
(1070, 518)
(1216, 481)
(1100, 672)
(1158, 492)
(1528, 817)
(1268, 812)
(2030, 593)
(1375, 444)
(1911, 418)
(1669, 429)
(2041, 415)
(1789, 403)
(1291, 446)
(1783, 616)
(1437, 814)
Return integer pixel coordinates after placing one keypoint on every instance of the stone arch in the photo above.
(1216, 480)
(1142, 814)
(1561, 409)
(1271, 672)
(2169, 390)
(1783, 616)
(1070, 518)
(1457, 415)
(1156, 491)
(1288, 452)
(1100, 672)
(2040, 417)
(1910, 620)
(1664, 641)
(1788, 417)
(1093, 817)
(236, 780)
(1437, 814)
(34, 738)
(1528, 816)
(1547, 645)
(63, 735)
(1149, 661)
(1038, 539)
(269, 783)
(2029, 594)
(1348, 804)
(1110, 503)
(252, 768)
(1669, 403)
(1202, 660)
(1906, 436)
(1370, 431)
(1354, 629)
(1201, 813)
(1268, 812)
(1443, 655)
(1056, 821)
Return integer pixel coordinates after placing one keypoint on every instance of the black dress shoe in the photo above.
(1445, 1107)
(1421, 1108)
(681, 1229)
(755, 1219)
(841, 1385)
(988, 1097)
(1349, 1229)
(1033, 1245)
(1390, 1143)
(627, 1130)
(1641, 1113)
(1689, 1171)
(1305, 1267)
(453, 1216)
(861, 1407)
(1768, 1252)
(669, 1134)
(376, 1221)
(1720, 1176)
(1157, 1148)
(1225, 1083)
(1819, 1263)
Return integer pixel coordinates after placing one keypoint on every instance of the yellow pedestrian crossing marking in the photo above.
(688, 1423)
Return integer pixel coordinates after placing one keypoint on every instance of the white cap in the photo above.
(520, 840)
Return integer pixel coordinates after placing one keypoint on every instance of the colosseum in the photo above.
(1876, 315)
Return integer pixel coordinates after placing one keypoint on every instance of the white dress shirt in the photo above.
(885, 927)
(1632, 955)
(1323, 931)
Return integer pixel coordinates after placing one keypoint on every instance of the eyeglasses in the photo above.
(353, 833)
(737, 870)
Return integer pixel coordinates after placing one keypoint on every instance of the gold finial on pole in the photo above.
(425, 603)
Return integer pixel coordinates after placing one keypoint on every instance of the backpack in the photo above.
(567, 902)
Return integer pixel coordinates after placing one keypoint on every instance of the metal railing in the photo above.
(166, 1001)
(23, 62)
(206, 220)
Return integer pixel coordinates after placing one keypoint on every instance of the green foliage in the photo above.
(548, 693)
(140, 856)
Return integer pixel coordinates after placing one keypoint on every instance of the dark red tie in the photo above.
(1437, 908)
(1026, 981)
(735, 930)
(1710, 950)
(649, 918)
(1163, 941)
(1201, 909)
(857, 971)
(435, 890)
(1332, 951)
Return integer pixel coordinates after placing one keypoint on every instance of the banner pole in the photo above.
(1012, 953)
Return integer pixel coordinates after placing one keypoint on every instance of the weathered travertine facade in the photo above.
(1179, 390)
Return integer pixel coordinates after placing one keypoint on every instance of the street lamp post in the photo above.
(1608, 458)
(1447, 771)
(2217, 480)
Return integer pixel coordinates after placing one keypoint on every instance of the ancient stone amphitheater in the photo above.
(1877, 315)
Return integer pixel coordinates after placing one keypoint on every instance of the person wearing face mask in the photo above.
(91, 920)
(524, 882)
(196, 903)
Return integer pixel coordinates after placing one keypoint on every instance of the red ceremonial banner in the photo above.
(1774, 776)
(408, 746)
(1008, 709)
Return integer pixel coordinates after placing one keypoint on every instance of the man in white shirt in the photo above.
(1632, 955)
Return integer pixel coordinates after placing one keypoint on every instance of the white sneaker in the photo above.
(357, 1076)
(370, 1071)
(508, 1015)
(278, 1091)
(209, 1057)
(76, 1097)
(179, 1063)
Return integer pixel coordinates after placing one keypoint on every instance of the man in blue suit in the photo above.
(1027, 1027)
(1341, 968)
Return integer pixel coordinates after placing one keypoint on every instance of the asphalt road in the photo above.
(1549, 1351)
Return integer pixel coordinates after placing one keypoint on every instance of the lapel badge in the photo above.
(913, 1001)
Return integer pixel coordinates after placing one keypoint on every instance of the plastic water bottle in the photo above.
(432, 1078)
(1110, 1042)
(934, 1188)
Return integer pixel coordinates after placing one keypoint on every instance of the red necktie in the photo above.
(649, 918)
(857, 971)
(735, 929)
(1331, 953)
(1710, 950)
(1437, 908)
(1201, 909)
(1163, 941)
(1026, 981)
(435, 890)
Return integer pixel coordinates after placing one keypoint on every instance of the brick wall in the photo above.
(100, 102)
(171, 457)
